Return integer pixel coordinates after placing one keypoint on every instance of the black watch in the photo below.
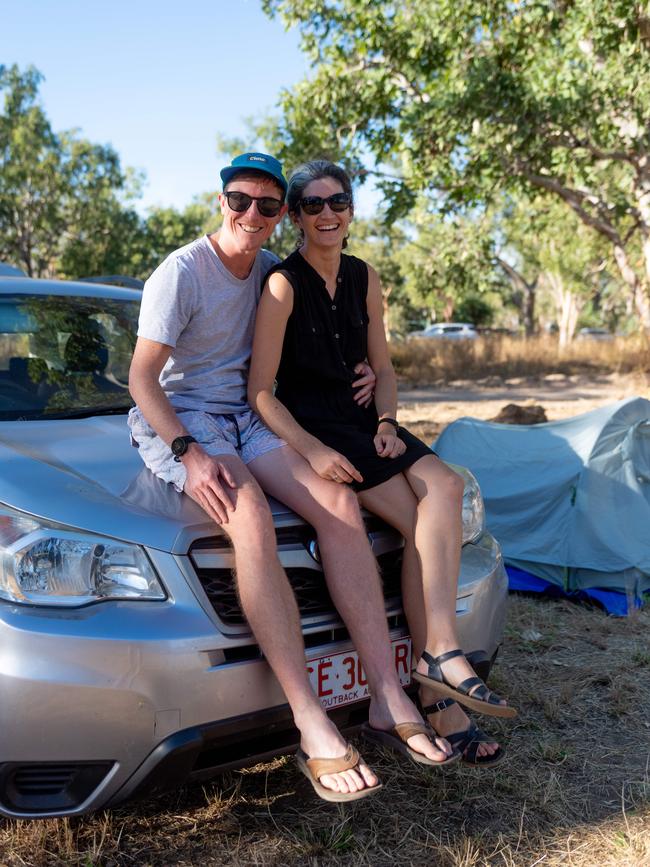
(180, 445)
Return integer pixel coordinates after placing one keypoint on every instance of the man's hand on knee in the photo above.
(210, 483)
(365, 385)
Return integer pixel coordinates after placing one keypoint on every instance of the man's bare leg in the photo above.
(269, 605)
(352, 580)
(395, 502)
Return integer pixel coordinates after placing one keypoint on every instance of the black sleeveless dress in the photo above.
(325, 339)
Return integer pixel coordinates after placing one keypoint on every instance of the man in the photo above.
(195, 430)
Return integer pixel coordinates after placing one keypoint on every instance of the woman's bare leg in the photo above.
(396, 502)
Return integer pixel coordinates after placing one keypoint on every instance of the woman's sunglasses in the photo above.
(339, 202)
(240, 202)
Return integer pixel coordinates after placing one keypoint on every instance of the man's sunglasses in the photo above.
(339, 202)
(266, 205)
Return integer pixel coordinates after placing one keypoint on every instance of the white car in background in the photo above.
(448, 331)
(594, 334)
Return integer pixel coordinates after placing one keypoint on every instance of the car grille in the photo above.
(308, 586)
(214, 569)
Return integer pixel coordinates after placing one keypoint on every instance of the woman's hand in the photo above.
(330, 464)
(389, 445)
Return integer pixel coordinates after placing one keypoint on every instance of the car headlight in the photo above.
(473, 508)
(41, 564)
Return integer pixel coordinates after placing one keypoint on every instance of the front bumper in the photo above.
(122, 698)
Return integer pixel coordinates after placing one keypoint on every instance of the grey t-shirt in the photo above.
(194, 304)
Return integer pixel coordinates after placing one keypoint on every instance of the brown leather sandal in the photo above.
(316, 768)
(397, 737)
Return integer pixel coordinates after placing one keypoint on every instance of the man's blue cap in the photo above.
(258, 163)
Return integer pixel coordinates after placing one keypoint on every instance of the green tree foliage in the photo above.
(448, 261)
(66, 205)
(60, 196)
(474, 309)
(29, 178)
(471, 98)
(551, 253)
(167, 229)
(119, 241)
(378, 244)
(106, 240)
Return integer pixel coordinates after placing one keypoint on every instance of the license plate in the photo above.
(339, 679)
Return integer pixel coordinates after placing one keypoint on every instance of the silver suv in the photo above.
(126, 666)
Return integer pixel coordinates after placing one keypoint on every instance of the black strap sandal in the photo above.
(482, 699)
(468, 742)
(436, 707)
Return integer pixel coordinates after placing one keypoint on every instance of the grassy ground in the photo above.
(575, 789)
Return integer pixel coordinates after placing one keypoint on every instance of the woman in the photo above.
(319, 315)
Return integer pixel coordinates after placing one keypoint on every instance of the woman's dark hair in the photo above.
(314, 170)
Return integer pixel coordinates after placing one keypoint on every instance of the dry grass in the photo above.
(574, 791)
(439, 362)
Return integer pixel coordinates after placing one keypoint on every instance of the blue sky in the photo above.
(158, 80)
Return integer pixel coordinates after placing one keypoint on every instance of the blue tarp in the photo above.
(615, 603)
(569, 501)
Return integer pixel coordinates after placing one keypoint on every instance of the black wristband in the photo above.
(392, 421)
(180, 445)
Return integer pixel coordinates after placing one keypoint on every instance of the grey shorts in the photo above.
(242, 434)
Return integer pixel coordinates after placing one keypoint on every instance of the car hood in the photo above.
(84, 473)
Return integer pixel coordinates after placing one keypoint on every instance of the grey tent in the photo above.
(569, 501)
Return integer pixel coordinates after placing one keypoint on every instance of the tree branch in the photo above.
(515, 276)
(398, 78)
(568, 139)
(575, 198)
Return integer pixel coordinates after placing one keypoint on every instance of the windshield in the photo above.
(65, 356)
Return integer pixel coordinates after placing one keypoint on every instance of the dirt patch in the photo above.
(427, 411)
